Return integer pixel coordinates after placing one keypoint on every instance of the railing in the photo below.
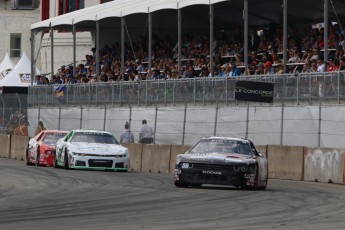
(13, 110)
(307, 87)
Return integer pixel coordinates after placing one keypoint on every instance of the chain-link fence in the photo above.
(13, 112)
(307, 87)
(317, 125)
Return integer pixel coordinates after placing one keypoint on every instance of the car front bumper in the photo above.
(212, 175)
(100, 163)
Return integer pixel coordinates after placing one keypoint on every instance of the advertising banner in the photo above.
(254, 91)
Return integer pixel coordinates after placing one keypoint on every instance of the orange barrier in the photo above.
(324, 165)
(18, 147)
(285, 162)
(5, 143)
(155, 158)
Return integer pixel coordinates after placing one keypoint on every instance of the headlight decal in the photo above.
(186, 165)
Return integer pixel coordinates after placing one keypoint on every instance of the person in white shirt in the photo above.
(146, 133)
(127, 136)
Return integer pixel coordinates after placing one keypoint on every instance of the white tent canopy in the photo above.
(230, 14)
(20, 75)
(118, 8)
(6, 66)
(6, 63)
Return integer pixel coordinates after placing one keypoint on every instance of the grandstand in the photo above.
(167, 64)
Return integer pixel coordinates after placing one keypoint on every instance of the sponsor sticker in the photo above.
(211, 172)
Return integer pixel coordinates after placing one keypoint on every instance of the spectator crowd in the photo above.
(304, 54)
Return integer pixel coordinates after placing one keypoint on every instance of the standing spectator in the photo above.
(146, 133)
(127, 136)
(40, 127)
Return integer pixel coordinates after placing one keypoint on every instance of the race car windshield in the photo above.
(222, 146)
(52, 138)
(103, 138)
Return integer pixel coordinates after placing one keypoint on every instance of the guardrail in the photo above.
(294, 87)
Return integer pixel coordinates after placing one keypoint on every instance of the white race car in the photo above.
(91, 149)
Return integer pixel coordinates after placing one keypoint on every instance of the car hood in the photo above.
(215, 157)
(99, 148)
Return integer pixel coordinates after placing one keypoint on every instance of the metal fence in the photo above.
(307, 87)
(13, 109)
(315, 125)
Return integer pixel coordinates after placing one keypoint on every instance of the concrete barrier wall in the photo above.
(285, 162)
(135, 154)
(5, 143)
(18, 147)
(324, 165)
(175, 150)
(156, 158)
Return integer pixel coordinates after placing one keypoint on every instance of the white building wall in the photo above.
(16, 21)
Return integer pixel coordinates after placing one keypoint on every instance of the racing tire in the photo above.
(55, 162)
(181, 184)
(196, 185)
(28, 158)
(65, 161)
(38, 157)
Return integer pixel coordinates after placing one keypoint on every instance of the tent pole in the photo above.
(51, 52)
(285, 33)
(74, 50)
(32, 40)
(325, 32)
(179, 42)
(97, 48)
(211, 40)
(245, 17)
(150, 46)
(122, 48)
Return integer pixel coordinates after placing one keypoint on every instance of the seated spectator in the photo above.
(333, 65)
(313, 66)
(268, 68)
(234, 71)
(321, 66)
(191, 73)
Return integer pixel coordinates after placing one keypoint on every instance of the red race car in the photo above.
(41, 148)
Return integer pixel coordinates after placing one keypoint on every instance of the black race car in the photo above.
(222, 161)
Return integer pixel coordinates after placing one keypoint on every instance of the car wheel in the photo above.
(55, 162)
(38, 157)
(196, 185)
(181, 185)
(28, 158)
(65, 161)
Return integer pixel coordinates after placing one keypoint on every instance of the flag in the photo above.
(60, 92)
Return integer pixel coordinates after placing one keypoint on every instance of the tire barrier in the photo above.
(325, 165)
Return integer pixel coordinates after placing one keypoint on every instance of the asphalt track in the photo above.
(47, 198)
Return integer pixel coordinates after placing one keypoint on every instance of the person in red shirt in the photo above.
(333, 65)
